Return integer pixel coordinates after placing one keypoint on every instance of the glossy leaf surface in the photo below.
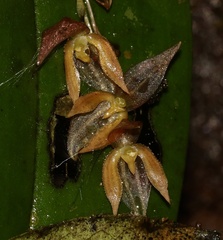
(138, 30)
(18, 116)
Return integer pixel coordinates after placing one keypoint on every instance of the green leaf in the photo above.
(18, 115)
(140, 30)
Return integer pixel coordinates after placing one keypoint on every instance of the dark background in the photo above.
(202, 199)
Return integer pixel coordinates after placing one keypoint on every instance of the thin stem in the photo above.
(89, 19)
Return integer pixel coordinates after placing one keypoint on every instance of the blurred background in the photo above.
(202, 199)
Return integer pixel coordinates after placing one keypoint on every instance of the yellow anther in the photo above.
(81, 48)
(120, 102)
(117, 105)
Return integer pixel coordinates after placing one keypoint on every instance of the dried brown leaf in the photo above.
(56, 34)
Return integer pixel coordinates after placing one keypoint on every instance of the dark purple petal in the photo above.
(136, 188)
(144, 79)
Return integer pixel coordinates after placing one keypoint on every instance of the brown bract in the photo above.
(105, 3)
(56, 34)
